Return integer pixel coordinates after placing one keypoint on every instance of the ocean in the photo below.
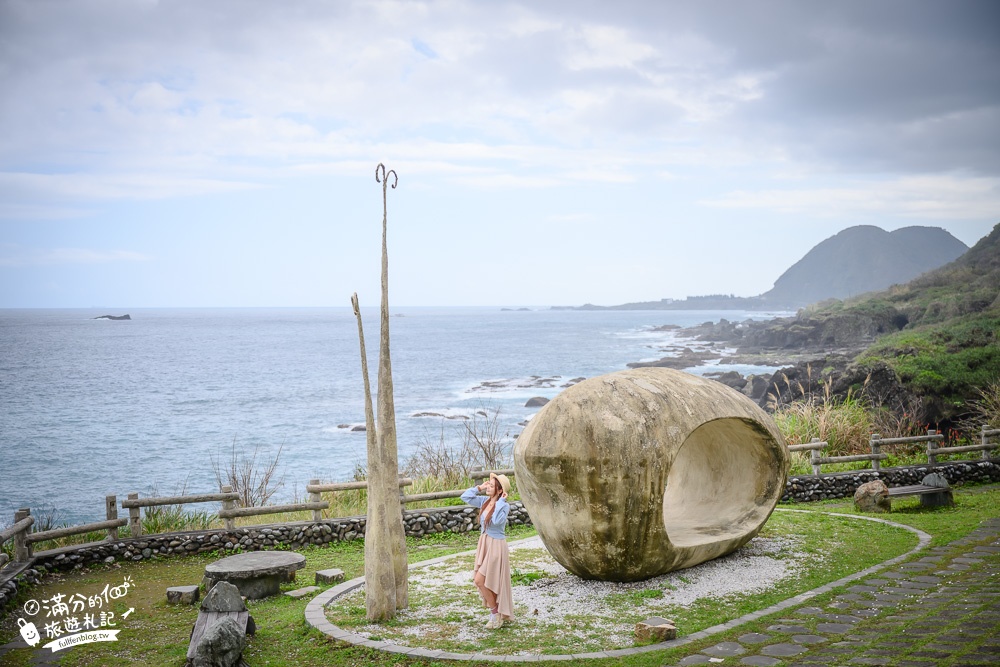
(93, 407)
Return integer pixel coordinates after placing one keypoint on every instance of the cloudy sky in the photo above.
(192, 153)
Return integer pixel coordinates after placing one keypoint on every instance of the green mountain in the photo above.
(863, 259)
(855, 261)
(935, 338)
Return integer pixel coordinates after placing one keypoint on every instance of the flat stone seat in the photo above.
(302, 592)
(331, 576)
(258, 574)
(182, 594)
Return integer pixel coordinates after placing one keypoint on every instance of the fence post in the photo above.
(22, 549)
(111, 506)
(316, 497)
(134, 517)
(876, 449)
(931, 446)
(986, 452)
(814, 458)
(228, 505)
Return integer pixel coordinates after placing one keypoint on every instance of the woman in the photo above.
(491, 573)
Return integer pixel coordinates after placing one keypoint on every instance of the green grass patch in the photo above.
(157, 633)
(816, 549)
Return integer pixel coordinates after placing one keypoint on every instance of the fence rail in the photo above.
(45, 535)
(23, 539)
(134, 503)
(271, 509)
(877, 442)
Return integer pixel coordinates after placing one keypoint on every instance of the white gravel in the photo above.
(561, 598)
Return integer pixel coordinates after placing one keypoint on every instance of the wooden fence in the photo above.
(877, 442)
(20, 530)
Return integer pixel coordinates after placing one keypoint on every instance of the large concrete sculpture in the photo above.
(637, 473)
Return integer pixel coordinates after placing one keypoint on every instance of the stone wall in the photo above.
(807, 488)
(457, 519)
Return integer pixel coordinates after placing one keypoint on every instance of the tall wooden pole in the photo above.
(386, 580)
(387, 414)
(380, 579)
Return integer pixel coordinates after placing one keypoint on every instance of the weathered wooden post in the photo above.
(876, 450)
(134, 518)
(22, 548)
(984, 441)
(315, 497)
(387, 417)
(386, 577)
(111, 508)
(230, 523)
(931, 447)
(814, 457)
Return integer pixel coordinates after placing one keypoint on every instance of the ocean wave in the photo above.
(532, 385)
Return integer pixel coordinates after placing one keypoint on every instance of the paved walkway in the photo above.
(941, 610)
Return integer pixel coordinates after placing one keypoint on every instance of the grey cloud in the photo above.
(908, 85)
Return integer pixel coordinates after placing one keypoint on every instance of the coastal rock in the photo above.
(873, 497)
(126, 316)
(221, 645)
(730, 379)
(536, 402)
(224, 597)
(683, 358)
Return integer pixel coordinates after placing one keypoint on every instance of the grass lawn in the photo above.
(156, 633)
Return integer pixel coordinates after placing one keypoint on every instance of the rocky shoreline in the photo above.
(810, 357)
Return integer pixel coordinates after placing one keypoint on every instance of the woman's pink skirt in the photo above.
(493, 560)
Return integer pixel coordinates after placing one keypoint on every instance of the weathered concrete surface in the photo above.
(257, 574)
(636, 473)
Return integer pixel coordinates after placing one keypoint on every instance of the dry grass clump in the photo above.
(846, 423)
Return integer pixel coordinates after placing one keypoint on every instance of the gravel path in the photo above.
(582, 607)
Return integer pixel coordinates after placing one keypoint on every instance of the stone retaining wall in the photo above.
(458, 518)
(807, 488)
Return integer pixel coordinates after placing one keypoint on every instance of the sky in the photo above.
(217, 154)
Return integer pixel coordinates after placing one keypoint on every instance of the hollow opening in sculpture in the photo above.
(722, 483)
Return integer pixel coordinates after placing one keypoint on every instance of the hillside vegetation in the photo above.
(939, 331)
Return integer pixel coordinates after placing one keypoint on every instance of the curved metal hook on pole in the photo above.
(383, 178)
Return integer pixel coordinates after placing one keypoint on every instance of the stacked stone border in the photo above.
(294, 535)
(808, 488)
(459, 518)
(316, 617)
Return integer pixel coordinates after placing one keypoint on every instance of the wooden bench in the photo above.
(933, 491)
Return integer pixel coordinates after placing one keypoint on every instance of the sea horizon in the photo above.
(98, 407)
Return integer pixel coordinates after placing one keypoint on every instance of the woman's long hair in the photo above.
(486, 511)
